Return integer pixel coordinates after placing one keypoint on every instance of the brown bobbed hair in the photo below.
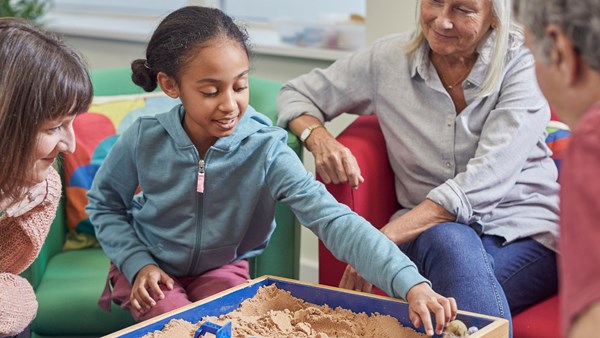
(41, 79)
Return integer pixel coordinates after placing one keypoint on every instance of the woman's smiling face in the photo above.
(55, 136)
(455, 27)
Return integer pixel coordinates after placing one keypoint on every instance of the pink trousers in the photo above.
(185, 291)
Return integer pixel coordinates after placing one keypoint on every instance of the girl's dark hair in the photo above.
(178, 37)
(41, 79)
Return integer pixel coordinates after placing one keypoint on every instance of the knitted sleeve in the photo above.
(21, 238)
(18, 305)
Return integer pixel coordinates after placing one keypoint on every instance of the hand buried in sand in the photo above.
(422, 301)
(146, 282)
(352, 280)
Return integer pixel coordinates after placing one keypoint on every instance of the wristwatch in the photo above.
(306, 132)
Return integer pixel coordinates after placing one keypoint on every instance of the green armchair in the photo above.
(69, 283)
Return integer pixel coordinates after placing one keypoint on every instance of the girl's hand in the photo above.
(422, 301)
(34, 197)
(146, 290)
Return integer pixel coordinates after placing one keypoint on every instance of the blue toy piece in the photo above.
(218, 330)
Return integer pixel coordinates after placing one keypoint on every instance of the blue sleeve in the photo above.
(110, 201)
(348, 236)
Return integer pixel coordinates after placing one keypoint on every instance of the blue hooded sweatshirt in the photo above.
(186, 233)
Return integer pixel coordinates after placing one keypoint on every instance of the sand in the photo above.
(273, 312)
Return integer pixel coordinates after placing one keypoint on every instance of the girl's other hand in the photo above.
(146, 291)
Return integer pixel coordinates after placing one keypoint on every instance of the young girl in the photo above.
(43, 85)
(210, 172)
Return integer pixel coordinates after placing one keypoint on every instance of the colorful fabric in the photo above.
(557, 140)
(95, 133)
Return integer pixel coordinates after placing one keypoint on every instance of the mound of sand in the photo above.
(275, 313)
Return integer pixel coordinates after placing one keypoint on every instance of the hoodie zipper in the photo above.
(199, 217)
(200, 184)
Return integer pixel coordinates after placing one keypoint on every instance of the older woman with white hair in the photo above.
(563, 37)
(464, 122)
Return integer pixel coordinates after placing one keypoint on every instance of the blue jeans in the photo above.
(483, 275)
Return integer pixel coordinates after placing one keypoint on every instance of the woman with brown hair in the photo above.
(43, 85)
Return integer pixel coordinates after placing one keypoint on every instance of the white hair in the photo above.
(502, 11)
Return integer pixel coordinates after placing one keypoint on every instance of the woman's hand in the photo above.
(145, 283)
(422, 217)
(422, 301)
(333, 161)
(352, 280)
(34, 196)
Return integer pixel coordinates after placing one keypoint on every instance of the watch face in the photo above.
(305, 134)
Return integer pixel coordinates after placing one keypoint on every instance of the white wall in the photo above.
(386, 17)
(383, 17)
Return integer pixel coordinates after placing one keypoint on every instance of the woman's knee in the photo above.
(451, 245)
(450, 237)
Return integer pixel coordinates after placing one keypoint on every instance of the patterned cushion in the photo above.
(557, 140)
(95, 133)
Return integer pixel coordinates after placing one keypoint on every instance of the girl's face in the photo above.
(55, 136)
(455, 27)
(213, 88)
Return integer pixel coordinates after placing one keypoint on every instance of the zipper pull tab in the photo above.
(200, 185)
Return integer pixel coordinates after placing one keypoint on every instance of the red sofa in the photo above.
(375, 201)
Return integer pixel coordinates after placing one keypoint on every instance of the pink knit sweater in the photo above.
(21, 239)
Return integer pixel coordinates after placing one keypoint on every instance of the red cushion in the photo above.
(540, 320)
(366, 141)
